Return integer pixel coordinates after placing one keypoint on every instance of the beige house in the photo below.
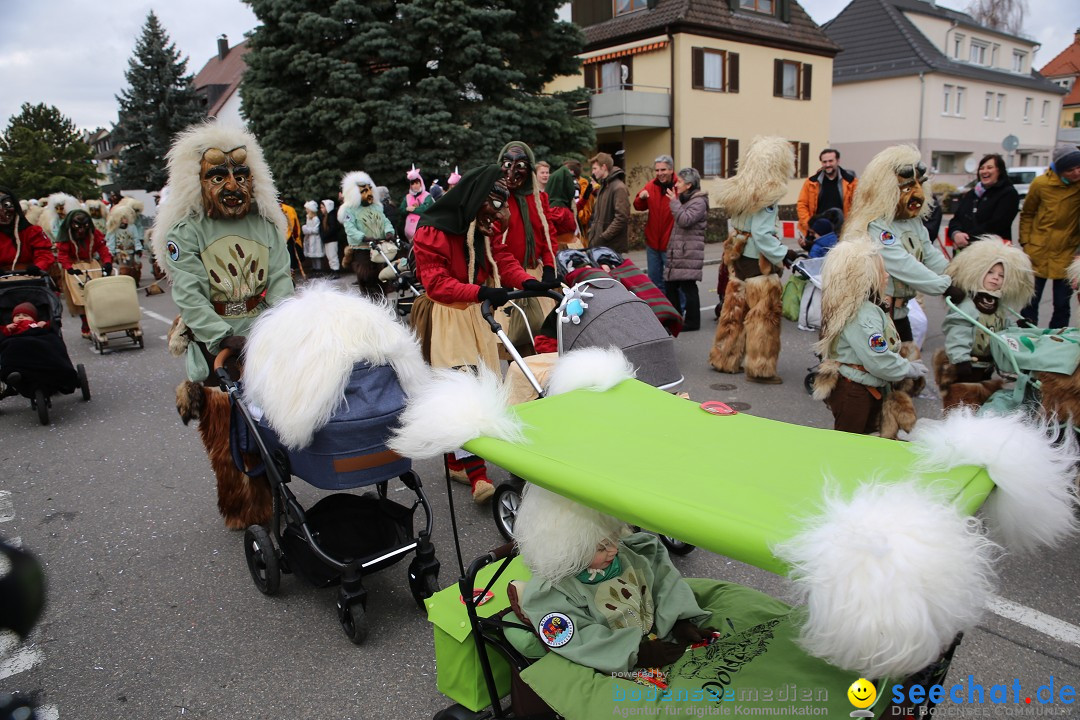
(697, 79)
(914, 72)
(1064, 70)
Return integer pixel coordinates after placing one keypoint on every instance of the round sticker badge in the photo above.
(174, 250)
(1013, 344)
(887, 238)
(556, 630)
(878, 343)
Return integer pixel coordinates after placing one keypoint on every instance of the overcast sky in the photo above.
(62, 53)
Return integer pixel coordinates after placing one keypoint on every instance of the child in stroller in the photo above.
(34, 361)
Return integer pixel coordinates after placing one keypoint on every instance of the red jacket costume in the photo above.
(658, 226)
(515, 233)
(34, 249)
(443, 264)
(68, 252)
(563, 220)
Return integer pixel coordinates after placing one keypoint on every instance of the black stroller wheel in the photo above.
(84, 384)
(42, 404)
(262, 559)
(808, 382)
(504, 508)
(354, 622)
(676, 547)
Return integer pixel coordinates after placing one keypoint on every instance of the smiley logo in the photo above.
(862, 693)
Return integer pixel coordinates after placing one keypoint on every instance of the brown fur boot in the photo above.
(242, 500)
(1061, 395)
(763, 327)
(729, 344)
(897, 413)
(953, 393)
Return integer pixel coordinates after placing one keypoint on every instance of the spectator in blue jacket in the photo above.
(820, 237)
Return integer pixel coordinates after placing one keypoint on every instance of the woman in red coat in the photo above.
(460, 267)
(22, 246)
(79, 241)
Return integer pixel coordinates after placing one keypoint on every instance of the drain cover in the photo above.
(740, 406)
(722, 387)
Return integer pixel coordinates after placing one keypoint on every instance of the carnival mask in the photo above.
(7, 209)
(367, 195)
(80, 226)
(95, 211)
(910, 179)
(226, 183)
(515, 167)
(495, 209)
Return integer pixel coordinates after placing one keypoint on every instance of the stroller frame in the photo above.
(265, 550)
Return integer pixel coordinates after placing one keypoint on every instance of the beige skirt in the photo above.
(460, 337)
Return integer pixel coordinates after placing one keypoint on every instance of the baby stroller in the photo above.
(343, 537)
(810, 306)
(757, 514)
(399, 272)
(597, 313)
(112, 306)
(35, 363)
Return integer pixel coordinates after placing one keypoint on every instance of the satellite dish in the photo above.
(971, 165)
(1010, 143)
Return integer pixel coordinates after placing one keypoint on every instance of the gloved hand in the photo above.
(495, 295)
(72, 271)
(916, 369)
(107, 268)
(233, 342)
(538, 285)
(690, 633)
(657, 653)
(390, 236)
(963, 371)
(34, 271)
(1025, 323)
(792, 256)
(955, 294)
(549, 277)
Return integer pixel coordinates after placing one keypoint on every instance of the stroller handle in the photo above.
(489, 312)
(219, 367)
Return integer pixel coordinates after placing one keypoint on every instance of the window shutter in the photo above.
(733, 72)
(804, 160)
(697, 155)
(778, 78)
(590, 75)
(733, 4)
(732, 157)
(785, 10)
(807, 75)
(697, 80)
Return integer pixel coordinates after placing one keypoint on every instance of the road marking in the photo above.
(156, 316)
(7, 508)
(16, 658)
(1038, 621)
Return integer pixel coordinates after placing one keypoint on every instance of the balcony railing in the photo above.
(633, 107)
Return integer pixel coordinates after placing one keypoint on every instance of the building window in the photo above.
(802, 158)
(999, 109)
(792, 79)
(1028, 102)
(762, 6)
(610, 76)
(948, 100)
(716, 70)
(943, 163)
(988, 106)
(1045, 111)
(622, 7)
(1018, 61)
(994, 55)
(978, 53)
(960, 92)
(958, 46)
(714, 157)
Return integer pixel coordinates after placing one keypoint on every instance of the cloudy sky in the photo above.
(63, 53)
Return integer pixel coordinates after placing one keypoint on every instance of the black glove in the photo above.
(690, 633)
(107, 268)
(657, 653)
(539, 285)
(1025, 323)
(963, 371)
(495, 295)
(955, 294)
(233, 342)
(34, 271)
(792, 256)
(549, 278)
(72, 271)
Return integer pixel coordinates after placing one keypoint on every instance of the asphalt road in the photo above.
(152, 613)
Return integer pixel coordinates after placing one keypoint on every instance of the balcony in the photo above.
(630, 107)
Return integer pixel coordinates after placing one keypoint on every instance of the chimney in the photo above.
(222, 46)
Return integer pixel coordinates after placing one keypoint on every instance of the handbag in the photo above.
(791, 298)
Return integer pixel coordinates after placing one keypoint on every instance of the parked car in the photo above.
(1022, 176)
(951, 201)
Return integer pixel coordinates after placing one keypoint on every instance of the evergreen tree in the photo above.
(42, 152)
(338, 86)
(159, 102)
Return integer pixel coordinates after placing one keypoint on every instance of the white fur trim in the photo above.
(454, 408)
(1035, 497)
(300, 353)
(890, 577)
(350, 190)
(557, 536)
(591, 368)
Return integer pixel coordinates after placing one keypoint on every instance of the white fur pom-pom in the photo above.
(890, 577)
(1035, 496)
(452, 409)
(591, 368)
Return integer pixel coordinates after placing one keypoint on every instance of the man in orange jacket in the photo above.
(831, 187)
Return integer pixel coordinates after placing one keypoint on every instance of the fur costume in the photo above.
(50, 219)
(315, 338)
(749, 324)
(968, 270)
(366, 220)
(185, 189)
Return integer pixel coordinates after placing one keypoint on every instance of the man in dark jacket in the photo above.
(611, 216)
